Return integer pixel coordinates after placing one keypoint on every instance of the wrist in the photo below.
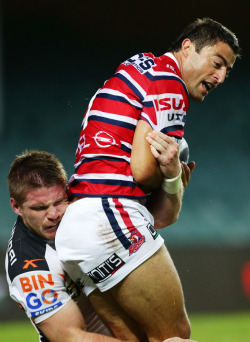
(172, 185)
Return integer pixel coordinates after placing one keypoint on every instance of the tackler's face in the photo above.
(204, 71)
(43, 210)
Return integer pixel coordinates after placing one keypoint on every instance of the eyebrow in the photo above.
(38, 205)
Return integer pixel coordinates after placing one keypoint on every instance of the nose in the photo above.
(52, 213)
(220, 75)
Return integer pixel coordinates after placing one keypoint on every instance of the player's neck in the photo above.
(178, 57)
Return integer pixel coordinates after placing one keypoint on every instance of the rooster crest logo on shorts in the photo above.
(103, 139)
(137, 240)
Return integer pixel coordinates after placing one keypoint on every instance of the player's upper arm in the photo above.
(144, 166)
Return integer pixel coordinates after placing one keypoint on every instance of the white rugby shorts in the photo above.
(101, 240)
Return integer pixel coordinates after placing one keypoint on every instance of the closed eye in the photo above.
(217, 65)
(38, 208)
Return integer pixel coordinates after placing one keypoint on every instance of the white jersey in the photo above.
(37, 281)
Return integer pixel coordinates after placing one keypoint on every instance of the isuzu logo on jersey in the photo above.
(170, 102)
(106, 269)
(104, 139)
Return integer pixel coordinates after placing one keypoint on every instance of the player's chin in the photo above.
(198, 94)
(198, 97)
(50, 234)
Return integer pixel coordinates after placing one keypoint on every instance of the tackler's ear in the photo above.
(15, 206)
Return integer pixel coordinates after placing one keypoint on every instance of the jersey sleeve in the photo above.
(166, 104)
(40, 293)
(37, 281)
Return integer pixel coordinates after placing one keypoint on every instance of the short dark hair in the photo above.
(34, 169)
(206, 32)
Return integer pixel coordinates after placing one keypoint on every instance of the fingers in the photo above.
(166, 152)
(191, 166)
(165, 149)
(164, 145)
(154, 152)
(161, 141)
(177, 339)
(187, 169)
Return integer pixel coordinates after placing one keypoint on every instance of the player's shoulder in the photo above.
(25, 251)
(141, 62)
(167, 63)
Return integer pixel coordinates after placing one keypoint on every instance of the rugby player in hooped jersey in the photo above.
(37, 183)
(106, 233)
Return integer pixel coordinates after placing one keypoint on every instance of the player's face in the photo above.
(43, 210)
(203, 71)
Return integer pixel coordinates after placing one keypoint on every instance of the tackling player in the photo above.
(37, 282)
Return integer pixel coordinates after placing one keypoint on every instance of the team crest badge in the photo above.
(137, 240)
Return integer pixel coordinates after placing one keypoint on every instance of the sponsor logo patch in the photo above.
(104, 139)
(36, 301)
(43, 311)
(35, 282)
(152, 231)
(11, 253)
(31, 263)
(106, 269)
(171, 103)
(140, 62)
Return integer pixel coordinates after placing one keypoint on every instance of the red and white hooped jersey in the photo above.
(144, 87)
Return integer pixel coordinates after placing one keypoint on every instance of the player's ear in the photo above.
(14, 205)
(187, 47)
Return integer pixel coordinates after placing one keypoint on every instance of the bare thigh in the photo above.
(152, 296)
(121, 325)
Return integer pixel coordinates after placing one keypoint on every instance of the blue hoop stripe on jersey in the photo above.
(83, 194)
(172, 128)
(130, 85)
(116, 98)
(148, 104)
(112, 122)
(125, 148)
(167, 78)
(114, 224)
(104, 181)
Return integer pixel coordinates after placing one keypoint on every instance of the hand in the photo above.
(177, 339)
(166, 152)
(187, 169)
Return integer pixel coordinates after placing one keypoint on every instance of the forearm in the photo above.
(165, 207)
(68, 325)
(93, 337)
